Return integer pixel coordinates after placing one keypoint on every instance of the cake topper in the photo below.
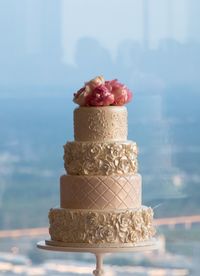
(98, 92)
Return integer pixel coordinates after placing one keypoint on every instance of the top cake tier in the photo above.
(106, 123)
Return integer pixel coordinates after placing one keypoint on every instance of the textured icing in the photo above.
(100, 227)
(101, 196)
(108, 123)
(105, 158)
(100, 192)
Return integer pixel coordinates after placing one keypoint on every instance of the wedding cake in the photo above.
(100, 196)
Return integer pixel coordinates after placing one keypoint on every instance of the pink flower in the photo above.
(95, 82)
(98, 92)
(122, 94)
(108, 85)
(80, 97)
(100, 96)
(116, 84)
(129, 94)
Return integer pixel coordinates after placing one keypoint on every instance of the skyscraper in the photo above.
(146, 24)
(12, 29)
(33, 26)
(31, 49)
(193, 21)
(170, 19)
(44, 27)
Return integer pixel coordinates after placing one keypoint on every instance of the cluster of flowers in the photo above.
(98, 92)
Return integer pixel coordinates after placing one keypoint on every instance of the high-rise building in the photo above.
(44, 27)
(31, 43)
(12, 29)
(170, 19)
(193, 20)
(33, 26)
(146, 24)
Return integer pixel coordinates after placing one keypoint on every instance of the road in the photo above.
(172, 221)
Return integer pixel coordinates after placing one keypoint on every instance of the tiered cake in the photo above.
(100, 196)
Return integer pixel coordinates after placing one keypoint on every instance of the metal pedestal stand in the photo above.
(99, 252)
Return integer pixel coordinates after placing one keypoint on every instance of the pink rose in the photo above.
(108, 85)
(122, 94)
(95, 82)
(129, 94)
(80, 97)
(116, 84)
(100, 96)
(98, 92)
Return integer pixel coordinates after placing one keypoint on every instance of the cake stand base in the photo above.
(99, 252)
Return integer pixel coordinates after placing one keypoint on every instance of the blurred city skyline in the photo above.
(60, 23)
(58, 43)
(48, 49)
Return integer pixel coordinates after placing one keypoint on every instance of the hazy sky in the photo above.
(113, 21)
(109, 21)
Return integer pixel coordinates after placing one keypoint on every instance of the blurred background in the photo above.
(48, 48)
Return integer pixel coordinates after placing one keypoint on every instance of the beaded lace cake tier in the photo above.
(107, 123)
(100, 192)
(105, 158)
(97, 228)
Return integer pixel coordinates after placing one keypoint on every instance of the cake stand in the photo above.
(99, 252)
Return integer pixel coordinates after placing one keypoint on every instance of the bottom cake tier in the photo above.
(101, 228)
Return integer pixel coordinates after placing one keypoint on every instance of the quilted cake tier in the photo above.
(100, 192)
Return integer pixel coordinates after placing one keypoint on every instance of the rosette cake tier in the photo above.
(100, 196)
